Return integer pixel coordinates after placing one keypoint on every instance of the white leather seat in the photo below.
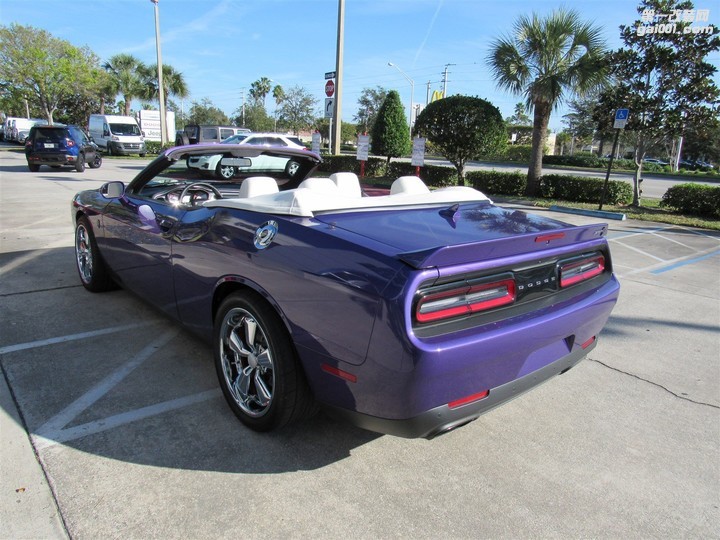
(347, 183)
(408, 185)
(257, 185)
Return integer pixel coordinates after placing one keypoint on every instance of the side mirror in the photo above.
(106, 132)
(113, 190)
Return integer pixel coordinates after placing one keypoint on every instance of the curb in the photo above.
(593, 213)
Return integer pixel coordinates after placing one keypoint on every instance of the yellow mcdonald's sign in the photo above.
(437, 94)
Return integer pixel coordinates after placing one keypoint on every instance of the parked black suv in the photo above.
(59, 145)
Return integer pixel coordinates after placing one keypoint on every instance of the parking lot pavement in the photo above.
(122, 431)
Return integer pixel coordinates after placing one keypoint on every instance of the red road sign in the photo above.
(329, 88)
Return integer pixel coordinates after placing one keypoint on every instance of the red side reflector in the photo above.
(588, 343)
(339, 373)
(468, 399)
(548, 237)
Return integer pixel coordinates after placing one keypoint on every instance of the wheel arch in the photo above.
(232, 284)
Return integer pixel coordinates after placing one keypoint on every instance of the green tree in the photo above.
(519, 117)
(297, 110)
(462, 128)
(204, 112)
(259, 89)
(173, 83)
(279, 96)
(390, 135)
(663, 78)
(126, 73)
(545, 59)
(42, 68)
(369, 103)
(256, 117)
(579, 121)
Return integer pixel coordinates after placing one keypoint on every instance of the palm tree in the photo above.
(279, 96)
(259, 89)
(173, 83)
(545, 60)
(126, 71)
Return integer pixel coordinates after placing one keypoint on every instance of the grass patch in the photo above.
(649, 211)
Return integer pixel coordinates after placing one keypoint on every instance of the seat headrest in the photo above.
(408, 185)
(347, 183)
(255, 186)
(321, 185)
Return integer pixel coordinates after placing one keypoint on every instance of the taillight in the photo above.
(69, 143)
(581, 270)
(464, 299)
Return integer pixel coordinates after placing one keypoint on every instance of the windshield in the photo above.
(235, 139)
(125, 129)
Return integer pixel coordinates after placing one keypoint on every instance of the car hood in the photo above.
(425, 237)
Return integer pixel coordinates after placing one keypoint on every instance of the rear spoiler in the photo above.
(503, 247)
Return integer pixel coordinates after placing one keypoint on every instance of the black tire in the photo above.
(91, 268)
(33, 167)
(96, 162)
(226, 172)
(292, 168)
(143, 155)
(109, 149)
(257, 366)
(80, 163)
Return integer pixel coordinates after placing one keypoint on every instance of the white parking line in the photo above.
(632, 248)
(52, 428)
(72, 337)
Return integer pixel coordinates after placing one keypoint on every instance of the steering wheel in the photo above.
(199, 186)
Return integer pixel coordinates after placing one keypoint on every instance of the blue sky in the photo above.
(222, 46)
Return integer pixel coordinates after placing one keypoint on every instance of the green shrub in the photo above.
(697, 199)
(498, 183)
(155, 147)
(518, 152)
(374, 166)
(432, 175)
(583, 189)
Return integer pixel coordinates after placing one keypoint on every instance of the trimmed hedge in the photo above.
(374, 166)
(697, 199)
(497, 183)
(155, 147)
(583, 189)
(432, 175)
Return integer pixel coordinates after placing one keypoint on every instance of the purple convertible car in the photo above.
(410, 313)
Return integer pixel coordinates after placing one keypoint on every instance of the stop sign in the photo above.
(329, 88)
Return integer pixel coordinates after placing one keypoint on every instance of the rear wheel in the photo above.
(257, 365)
(80, 163)
(93, 273)
(33, 167)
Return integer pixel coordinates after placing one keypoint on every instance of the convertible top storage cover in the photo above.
(308, 201)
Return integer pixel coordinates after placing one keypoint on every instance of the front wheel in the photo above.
(97, 162)
(225, 172)
(292, 168)
(257, 366)
(93, 273)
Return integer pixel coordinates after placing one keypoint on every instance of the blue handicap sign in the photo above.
(621, 114)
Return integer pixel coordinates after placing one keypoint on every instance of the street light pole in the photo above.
(412, 94)
(161, 89)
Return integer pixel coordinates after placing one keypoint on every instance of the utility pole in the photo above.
(427, 94)
(337, 127)
(445, 79)
(242, 97)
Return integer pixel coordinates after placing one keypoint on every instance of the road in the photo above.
(113, 425)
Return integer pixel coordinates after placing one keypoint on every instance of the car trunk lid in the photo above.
(463, 233)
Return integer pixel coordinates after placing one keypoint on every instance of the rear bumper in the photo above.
(443, 419)
(51, 159)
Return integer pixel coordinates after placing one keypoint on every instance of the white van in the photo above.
(119, 135)
(6, 129)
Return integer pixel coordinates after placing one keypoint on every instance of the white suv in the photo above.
(259, 163)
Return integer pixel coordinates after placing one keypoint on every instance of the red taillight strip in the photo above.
(338, 373)
(588, 343)
(575, 272)
(465, 300)
(468, 399)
